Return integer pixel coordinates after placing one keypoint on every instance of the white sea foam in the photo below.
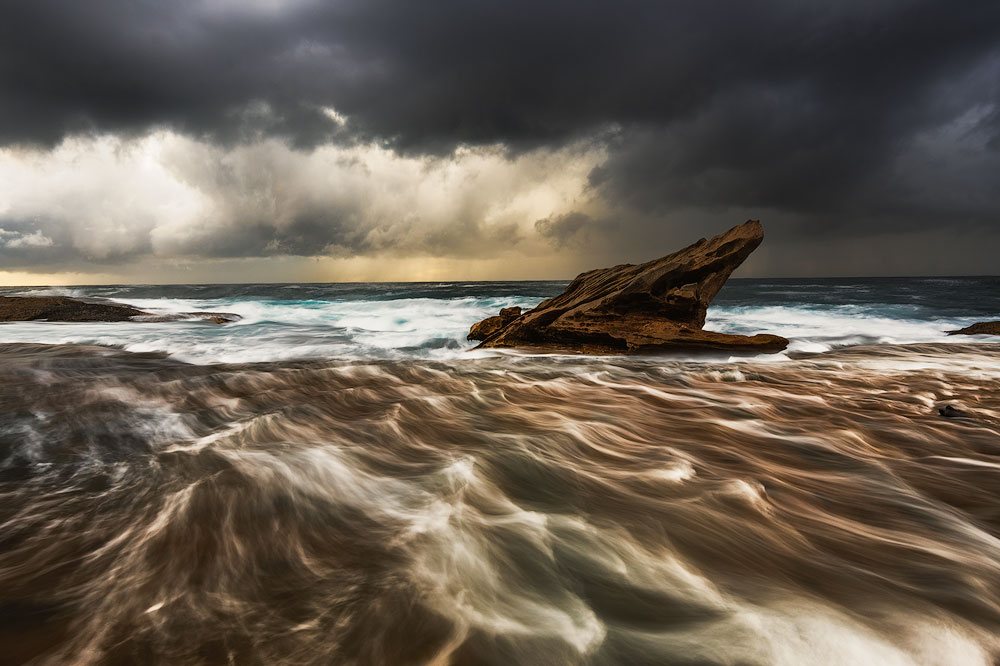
(819, 329)
(50, 291)
(272, 330)
(277, 329)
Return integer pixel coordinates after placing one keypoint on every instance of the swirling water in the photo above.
(338, 479)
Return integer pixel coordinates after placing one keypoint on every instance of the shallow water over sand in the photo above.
(500, 510)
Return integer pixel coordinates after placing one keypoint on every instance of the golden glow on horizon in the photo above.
(317, 269)
(24, 279)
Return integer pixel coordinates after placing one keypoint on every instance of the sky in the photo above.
(307, 140)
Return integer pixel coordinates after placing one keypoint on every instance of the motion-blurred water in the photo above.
(336, 479)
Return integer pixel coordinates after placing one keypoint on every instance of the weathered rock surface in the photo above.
(982, 328)
(487, 327)
(63, 308)
(656, 306)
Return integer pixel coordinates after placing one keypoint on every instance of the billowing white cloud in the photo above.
(165, 195)
(14, 239)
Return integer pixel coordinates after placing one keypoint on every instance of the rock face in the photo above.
(490, 325)
(62, 308)
(982, 328)
(656, 306)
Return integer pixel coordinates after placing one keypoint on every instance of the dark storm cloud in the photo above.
(427, 74)
(850, 116)
(574, 229)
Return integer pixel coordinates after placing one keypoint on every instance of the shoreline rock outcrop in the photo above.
(487, 327)
(982, 328)
(645, 308)
(65, 309)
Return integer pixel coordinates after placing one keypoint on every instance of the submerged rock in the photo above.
(217, 317)
(656, 306)
(63, 308)
(951, 412)
(210, 317)
(982, 328)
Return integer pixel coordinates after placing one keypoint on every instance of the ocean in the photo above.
(338, 478)
(430, 320)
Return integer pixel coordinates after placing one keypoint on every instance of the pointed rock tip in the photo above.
(753, 227)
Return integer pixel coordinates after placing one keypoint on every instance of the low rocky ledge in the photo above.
(207, 317)
(646, 308)
(982, 328)
(65, 309)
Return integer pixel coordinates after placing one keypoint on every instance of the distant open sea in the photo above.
(338, 479)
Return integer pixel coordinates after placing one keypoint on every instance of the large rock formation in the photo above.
(982, 328)
(62, 308)
(656, 306)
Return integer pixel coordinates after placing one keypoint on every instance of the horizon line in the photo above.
(350, 282)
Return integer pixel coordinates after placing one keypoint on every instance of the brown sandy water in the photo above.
(509, 510)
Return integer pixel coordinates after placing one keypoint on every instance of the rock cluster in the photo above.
(656, 306)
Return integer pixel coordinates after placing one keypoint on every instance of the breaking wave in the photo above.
(430, 321)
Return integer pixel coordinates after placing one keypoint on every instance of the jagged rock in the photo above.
(656, 306)
(982, 328)
(490, 325)
(63, 308)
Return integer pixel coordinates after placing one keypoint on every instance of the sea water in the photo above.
(337, 479)
(431, 320)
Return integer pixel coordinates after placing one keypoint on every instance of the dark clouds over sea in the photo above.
(842, 124)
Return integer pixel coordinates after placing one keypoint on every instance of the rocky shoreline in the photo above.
(654, 307)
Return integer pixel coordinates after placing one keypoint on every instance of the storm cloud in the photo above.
(843, 125)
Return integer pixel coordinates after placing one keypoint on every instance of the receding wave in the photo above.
(501, 510)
